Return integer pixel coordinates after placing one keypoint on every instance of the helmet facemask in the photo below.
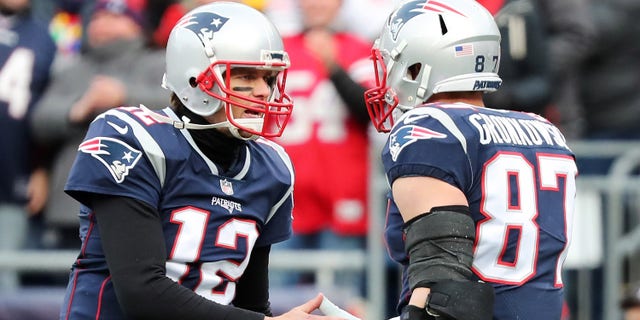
(381, 100)
(384, 103)
(275, 111)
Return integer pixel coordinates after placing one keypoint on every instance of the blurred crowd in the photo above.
(62, 62)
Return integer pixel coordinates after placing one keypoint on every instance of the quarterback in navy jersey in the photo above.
(180, 206)
(481, 201)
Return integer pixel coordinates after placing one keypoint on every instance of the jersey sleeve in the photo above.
(278, 224)
(428, 142)
(112, 160)
(279, 227)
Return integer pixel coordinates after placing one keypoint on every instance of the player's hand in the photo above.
(321, 43)
(106, 92)
(38, 191)
(303, 312)
(103, 93)
(411, 312)
(416, 310)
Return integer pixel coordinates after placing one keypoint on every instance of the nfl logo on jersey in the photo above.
(226, 187)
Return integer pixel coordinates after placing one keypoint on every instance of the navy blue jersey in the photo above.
(26, 54)
(211, 220)
(518, 176)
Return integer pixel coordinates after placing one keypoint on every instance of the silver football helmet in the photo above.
(211, 40)
(427, 47)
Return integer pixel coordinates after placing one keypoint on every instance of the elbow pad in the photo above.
(440, 246)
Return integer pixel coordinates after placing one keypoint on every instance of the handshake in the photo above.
(330, 309)
(447, 300)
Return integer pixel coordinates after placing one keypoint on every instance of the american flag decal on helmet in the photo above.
(409, 134)
(463, 50)
(118, 157)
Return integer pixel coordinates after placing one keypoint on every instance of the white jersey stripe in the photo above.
(149, 145)
(287, 161)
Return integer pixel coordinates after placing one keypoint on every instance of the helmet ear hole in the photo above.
(414, 70)
(192, 82)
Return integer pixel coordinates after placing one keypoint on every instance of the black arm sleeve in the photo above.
(352, 93)
(252, 290)
(133, 243)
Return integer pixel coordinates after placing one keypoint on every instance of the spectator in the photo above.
(609, 92)
(631, 303)
(117, 69)
(180, 207)
(155, 14)
(26, 55)
(285, 14)
(476, 193)
(366, 23)
(67, 21)
(327, 136)
(571, 35)
(611, 74)
(524, 57)
(363, 18)
(167, 18)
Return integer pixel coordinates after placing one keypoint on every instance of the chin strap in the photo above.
(252, 123)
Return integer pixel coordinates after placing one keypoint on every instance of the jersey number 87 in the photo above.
(503, 175)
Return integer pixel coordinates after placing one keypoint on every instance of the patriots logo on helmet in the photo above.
(117, 156)
(409, 134)
(203, 24)
(413, 8)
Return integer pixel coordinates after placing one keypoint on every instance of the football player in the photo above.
(481, 199)
(27, 52)
(180, 206)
